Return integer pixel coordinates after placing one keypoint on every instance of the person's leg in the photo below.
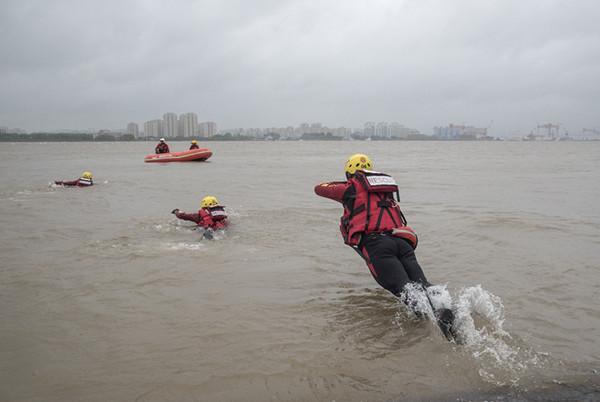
(380, 253)
(444, 315)
(407, 257)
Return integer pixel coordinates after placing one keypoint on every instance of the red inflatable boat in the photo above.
(200, 154)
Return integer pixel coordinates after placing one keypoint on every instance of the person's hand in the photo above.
(175, 211)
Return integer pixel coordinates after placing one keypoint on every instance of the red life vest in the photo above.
(161, 148)
(213, 217)
(375, 210)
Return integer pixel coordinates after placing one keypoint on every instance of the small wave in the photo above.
(182, 227)
(27, 194)
(185, 246)
(172, 227)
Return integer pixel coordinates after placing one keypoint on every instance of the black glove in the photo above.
(175, 211)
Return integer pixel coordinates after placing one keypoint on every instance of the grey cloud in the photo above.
(264, 63)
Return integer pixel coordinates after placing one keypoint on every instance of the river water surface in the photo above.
(105, 296)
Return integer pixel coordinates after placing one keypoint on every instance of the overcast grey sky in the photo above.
(262, 63)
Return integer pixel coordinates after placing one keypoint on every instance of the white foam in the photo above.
(479, 321)
(416, 299)
(185, 246)
(440, 297)
(172, 227)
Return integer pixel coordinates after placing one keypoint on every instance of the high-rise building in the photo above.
(382, 130)
(369, 129)
(132, 128)
(180, 126)
(170, 125)
(153, 128)
(304, 128)
(208, 128)
(189, 124)
(457, 131)
(316, 128)
(397, 130)
(342, 132)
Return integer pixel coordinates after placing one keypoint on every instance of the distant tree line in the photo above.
(320, 137)
(107, 137)
(64, 137)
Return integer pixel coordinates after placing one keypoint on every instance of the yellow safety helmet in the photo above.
(358, 162)
(194, 142)
(87, 175)
(209, 201)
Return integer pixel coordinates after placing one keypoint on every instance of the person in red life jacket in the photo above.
(161, 147)
(211, 215)
(374, 225)
(86, 180)
(194, 145)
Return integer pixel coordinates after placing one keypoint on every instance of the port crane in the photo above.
(552, 130)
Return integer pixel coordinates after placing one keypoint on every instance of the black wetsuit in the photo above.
(392, 261)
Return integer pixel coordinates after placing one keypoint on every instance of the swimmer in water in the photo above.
(86, 180)
(211, 215)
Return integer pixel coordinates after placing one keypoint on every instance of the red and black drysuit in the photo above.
(162, 148)
(194, 146)
(208, 218)
(81, 182)
(374, 225)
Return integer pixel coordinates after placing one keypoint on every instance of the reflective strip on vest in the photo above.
(381, 181)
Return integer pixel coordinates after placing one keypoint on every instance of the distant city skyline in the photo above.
(186, 125)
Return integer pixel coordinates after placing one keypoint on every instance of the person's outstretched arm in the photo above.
(333, 190)
(67, 183)
(187, 217)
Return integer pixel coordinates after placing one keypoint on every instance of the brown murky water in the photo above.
(105, 296)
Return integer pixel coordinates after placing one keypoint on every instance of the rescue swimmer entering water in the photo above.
(374, 225)
(86, 180)
(210, 217)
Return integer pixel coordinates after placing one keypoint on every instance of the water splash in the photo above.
(424, 303)
(480, 325)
